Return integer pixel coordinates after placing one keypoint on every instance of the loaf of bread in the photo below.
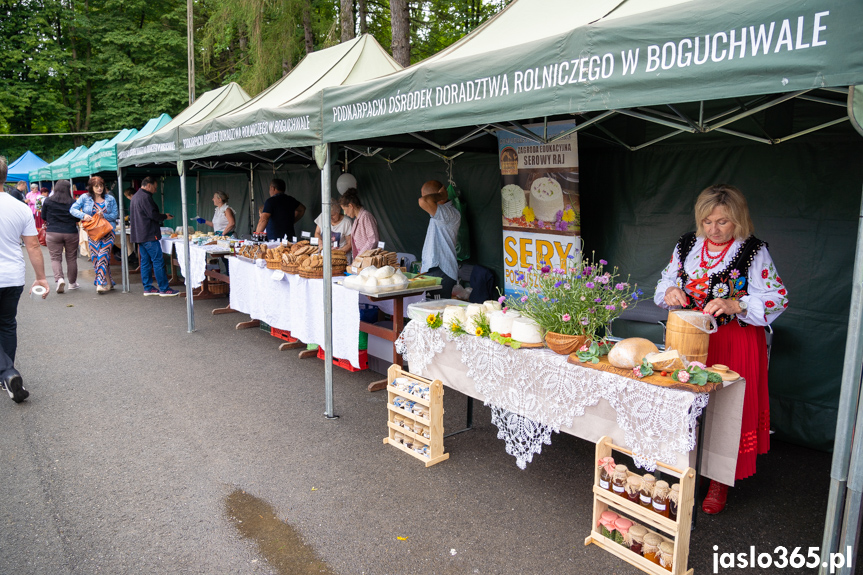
(630, 352)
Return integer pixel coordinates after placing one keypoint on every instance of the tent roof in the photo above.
(288, 113)
(105, 158)
(20, 169)
(80, 166)
(44, 173)
(161, 145)
(544, 58)
(60, 170)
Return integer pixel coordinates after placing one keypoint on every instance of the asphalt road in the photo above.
(136, 435)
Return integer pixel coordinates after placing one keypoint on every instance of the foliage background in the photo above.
(91, 65)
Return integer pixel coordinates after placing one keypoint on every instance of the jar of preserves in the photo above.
(633, 488)
(673, 499)
(660, 498)
(636, 538)
(621, 531)
(650, 549)
(606, 523)
(666, 555)
(606, 470)
(646, 496)
(618, 481)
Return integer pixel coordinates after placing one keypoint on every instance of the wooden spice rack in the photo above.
(679, 530)
(434, 422)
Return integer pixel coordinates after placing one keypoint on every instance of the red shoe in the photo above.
(716, 498)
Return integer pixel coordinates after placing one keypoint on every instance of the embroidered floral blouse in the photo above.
(761, 288)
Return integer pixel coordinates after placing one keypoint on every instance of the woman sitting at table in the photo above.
(97, 200)
(724, 270)
(364, 231)
(224, 220)
(339, 224)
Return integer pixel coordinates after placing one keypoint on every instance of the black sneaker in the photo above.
(14, 385)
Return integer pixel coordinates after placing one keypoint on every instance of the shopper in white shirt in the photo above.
(224, 219)
(16, 224)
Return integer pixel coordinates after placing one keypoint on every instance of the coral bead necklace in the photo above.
(706, 257)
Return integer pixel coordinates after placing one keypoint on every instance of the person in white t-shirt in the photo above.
(16, 224)
(224, 219)
(340, 224)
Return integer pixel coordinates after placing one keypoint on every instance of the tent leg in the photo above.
(252, 213)
(124, 248)
(326, 184)
(190, 304)
(846, 420)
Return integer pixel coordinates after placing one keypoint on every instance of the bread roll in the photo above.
(629, 352)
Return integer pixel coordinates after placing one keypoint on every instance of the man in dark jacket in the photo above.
(145, 221)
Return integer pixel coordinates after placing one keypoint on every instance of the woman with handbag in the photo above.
(62, 235)
(97, 211)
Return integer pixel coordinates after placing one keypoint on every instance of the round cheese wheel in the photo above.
(368, 271)
(629, 353)
(385, 272)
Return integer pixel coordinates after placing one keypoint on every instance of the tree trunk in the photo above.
(363, 14)
(401, 45)
(307, 27)
(347, 19)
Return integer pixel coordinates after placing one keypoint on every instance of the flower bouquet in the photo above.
(575, 303)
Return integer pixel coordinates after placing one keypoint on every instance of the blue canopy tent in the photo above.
(20, 169)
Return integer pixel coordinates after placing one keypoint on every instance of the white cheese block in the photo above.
(525, 330)
(454, 312)
(368, 271)
(473, 310)
(629, 353)
(384, 272)
(501, 322)
(491, 305)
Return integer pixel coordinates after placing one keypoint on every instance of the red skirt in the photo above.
(744, 349)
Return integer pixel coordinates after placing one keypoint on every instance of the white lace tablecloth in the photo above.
(167, 245)
(296, 304)
(534, 392)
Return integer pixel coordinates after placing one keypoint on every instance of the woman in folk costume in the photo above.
(725, 271)
(97, 200)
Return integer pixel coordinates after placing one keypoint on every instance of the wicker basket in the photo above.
(565, 344)
(218, 287)
(317, 274)
(274, 265)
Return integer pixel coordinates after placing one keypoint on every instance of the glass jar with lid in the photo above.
(622, 526)
(673, 500)
(606, 523)
(633, 488)
(636, 538)
(646, 497)
(618, 481)
(666, 555)
(650, 549)
(660, 498)
(606, 470)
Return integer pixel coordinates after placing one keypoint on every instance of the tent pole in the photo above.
(124, 248)
(848, 415)
(251, 198)
(190, 305)
(326, 184)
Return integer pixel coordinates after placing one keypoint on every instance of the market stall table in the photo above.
(533, 392)
(201, 277)
(391, 334)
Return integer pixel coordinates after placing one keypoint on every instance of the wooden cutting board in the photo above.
(655, 379)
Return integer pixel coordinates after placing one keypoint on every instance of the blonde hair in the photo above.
(735, 205)
(222, 196)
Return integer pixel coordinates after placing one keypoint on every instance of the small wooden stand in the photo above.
(434, 423)
(679, 530)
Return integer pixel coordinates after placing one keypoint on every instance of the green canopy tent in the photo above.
(80, 166)
(105, 158)
(159, 147)
(43, 174)
(643, 72)
(60, 169)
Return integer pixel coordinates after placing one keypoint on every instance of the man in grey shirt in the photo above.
(438, 257)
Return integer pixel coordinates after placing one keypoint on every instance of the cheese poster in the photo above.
(539, 200)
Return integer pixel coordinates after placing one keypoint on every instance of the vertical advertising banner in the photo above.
(540, 202)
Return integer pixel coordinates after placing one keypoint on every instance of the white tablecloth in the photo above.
(296, 304)
(534, 392)
(168, 245)
(197, 260)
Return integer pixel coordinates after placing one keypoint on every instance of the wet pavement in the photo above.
(143, 447)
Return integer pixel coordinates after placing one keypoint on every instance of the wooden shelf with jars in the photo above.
(678, 530)
(415, 415)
